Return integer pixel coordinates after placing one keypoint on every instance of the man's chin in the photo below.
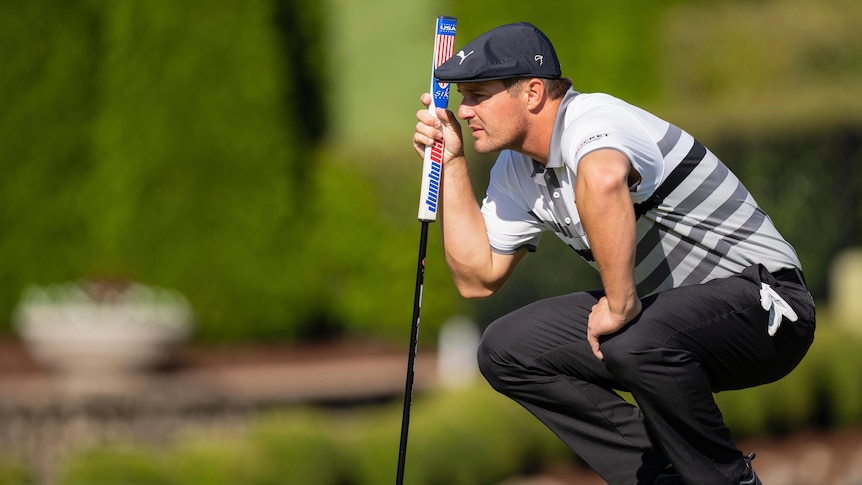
(484, 149)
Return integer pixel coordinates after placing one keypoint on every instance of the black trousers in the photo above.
(687, 343)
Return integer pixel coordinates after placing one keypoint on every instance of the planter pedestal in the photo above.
(100, 347)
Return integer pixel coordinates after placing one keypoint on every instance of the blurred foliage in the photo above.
(176, 169)
(317, 447)
(612, 48)
(237, 151)
(823, 391)
(809, 182)
(180, 145)
(46, 92)
(365, 258)
(13, 472)
(762, 67)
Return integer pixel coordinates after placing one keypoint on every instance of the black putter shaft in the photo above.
(432, 170)
(411, 359)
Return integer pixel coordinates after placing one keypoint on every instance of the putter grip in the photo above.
(432, 166)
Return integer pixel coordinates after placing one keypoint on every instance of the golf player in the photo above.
(700, 293)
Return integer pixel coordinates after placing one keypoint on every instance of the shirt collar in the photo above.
(555, 156)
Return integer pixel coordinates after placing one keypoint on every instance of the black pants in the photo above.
(687, 343)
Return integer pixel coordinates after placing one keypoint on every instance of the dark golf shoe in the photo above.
(749, 478)
(670, 477)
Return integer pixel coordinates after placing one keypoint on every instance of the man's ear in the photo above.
(535, 92)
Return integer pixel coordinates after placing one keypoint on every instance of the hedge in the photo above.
(190, 145)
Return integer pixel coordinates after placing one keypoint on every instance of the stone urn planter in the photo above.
(91, 329)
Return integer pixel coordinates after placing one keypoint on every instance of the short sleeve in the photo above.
(616, 129)
(509, 222)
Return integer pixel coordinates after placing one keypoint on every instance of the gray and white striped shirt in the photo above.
(696, 221)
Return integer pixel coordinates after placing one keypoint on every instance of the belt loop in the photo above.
(790, 274)
(800, 276)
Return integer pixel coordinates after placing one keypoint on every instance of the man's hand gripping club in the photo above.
(441, 124)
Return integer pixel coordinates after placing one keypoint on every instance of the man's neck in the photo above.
(537, 143)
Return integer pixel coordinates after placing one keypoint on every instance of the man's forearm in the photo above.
(605, 207)
(465, 240)
(477, 271)
(614, 251)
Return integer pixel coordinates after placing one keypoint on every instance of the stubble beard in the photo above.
(512, 139)
(486, 145)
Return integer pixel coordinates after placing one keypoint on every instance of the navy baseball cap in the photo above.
(508, 51)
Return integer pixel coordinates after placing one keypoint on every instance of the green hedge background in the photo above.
(255, 156)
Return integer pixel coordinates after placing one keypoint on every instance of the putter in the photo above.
(432, 168)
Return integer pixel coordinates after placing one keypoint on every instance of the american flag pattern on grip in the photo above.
(432, 167)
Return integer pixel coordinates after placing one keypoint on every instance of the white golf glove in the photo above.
(777, 308)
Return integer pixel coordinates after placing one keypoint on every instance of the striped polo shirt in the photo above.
(696, 221)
